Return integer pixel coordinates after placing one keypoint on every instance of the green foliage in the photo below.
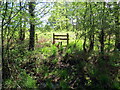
(74, 46)
(26, 81)
(30, 83)
(10, 84)
(50, 50)
(64, 85)
(63, 73)
(54, 61)
(116, 85)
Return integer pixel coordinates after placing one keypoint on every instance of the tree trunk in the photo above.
(20, 25)
(5, 69)
(85, 37)
(23, 34)
(102, 33)
(32, 26)
(84, 45)
(22, 31)
(91, 38)
(117, 30)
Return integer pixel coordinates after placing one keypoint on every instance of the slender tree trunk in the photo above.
(102, 33)
(109, 39)
(21, 31)
(23, 35)
(5, 69)
(32, 26)
(117, 30)
(84, 44)
(85, 37)
(109, 34)
(66, 16)
(91, 38)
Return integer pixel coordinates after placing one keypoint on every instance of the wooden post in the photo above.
(61, 43)
(53, 38)
(67, 38)
(36, 38)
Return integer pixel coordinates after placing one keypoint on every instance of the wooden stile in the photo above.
(61, 37)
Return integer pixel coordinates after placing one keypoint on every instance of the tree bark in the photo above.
(91, 38)
(102, 33)
(117, 30)
(32, 26)
(5, 69)
(85, 37)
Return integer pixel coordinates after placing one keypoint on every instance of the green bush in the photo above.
(49, 50)
(26, 81)
(9, 83)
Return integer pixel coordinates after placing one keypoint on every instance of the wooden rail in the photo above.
(61, 37)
